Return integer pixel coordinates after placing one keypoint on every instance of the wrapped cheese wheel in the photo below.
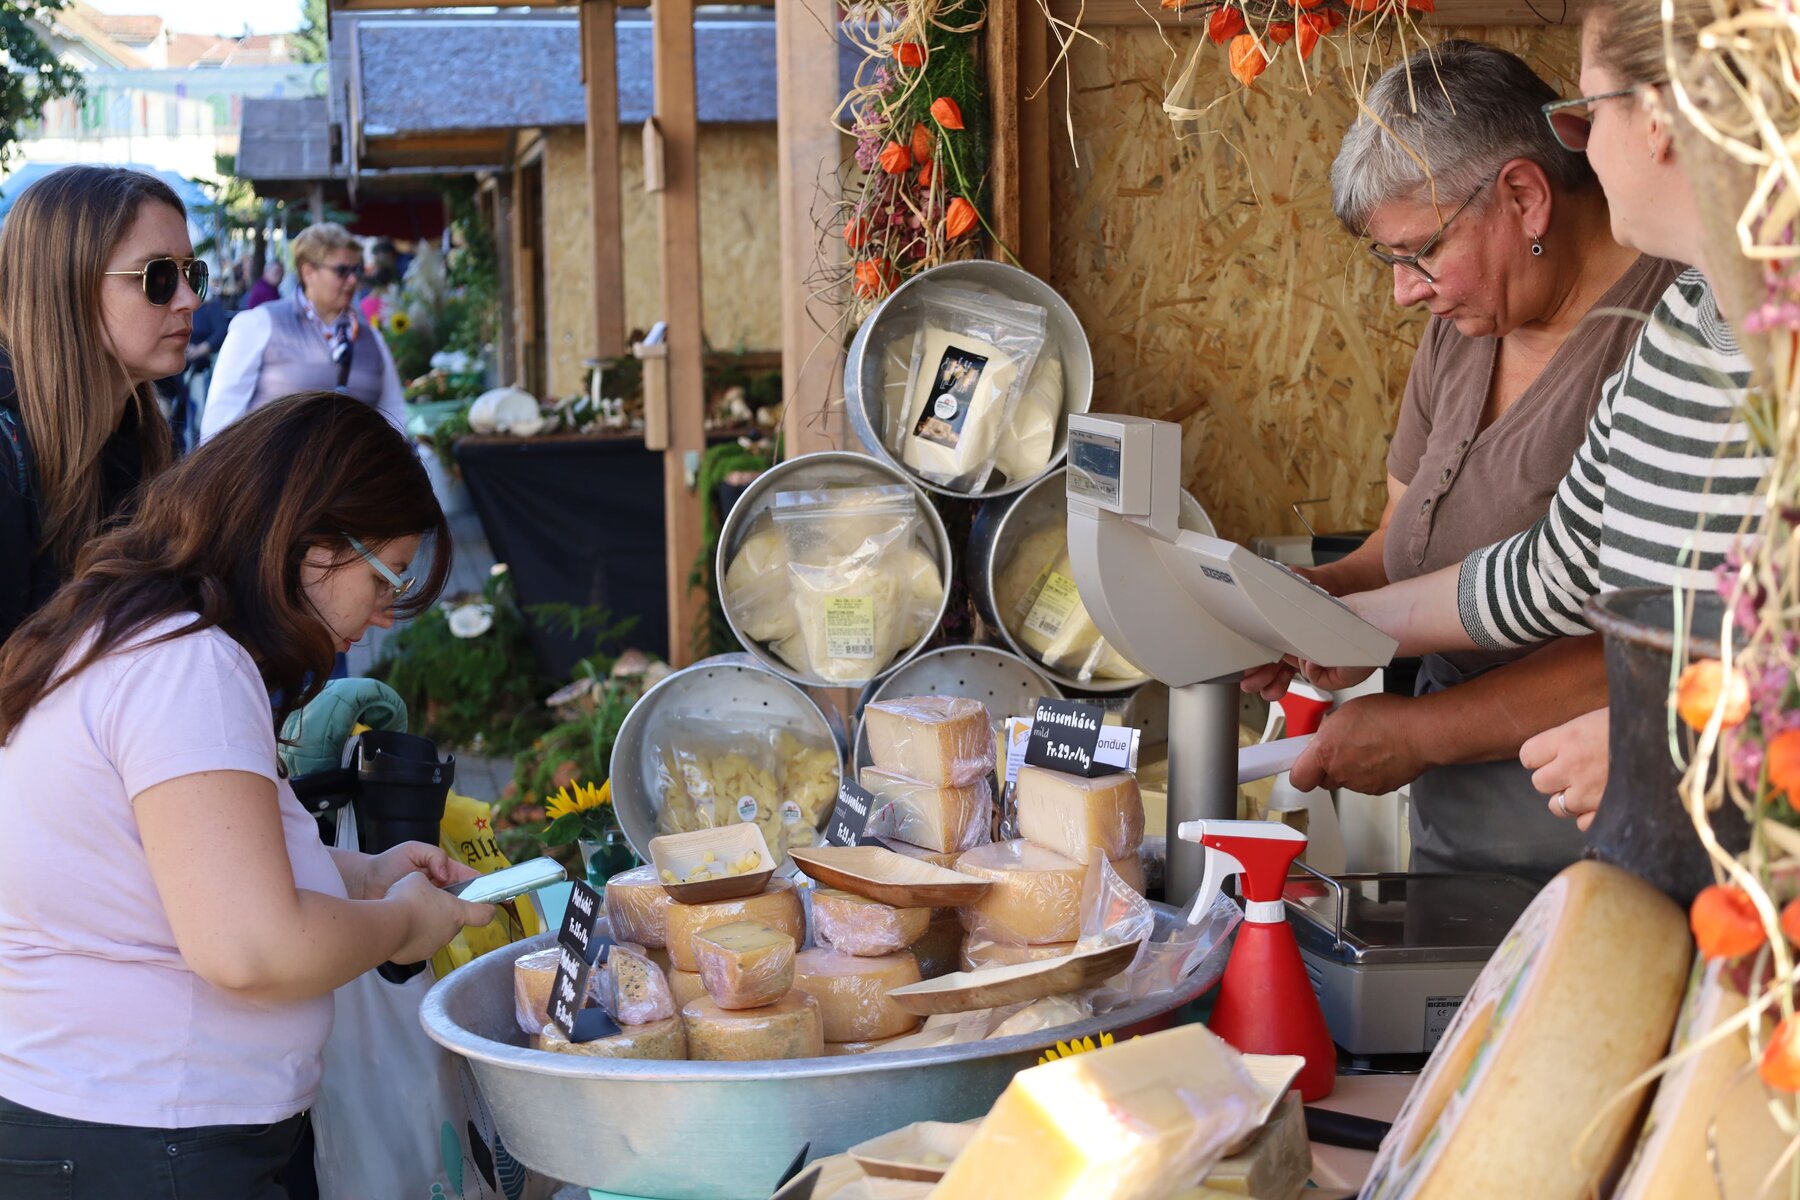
(633, 990)
(745, 964)
(934, 739)
(659, 1039)
(854, 992)
(685, 986)
(533, 976)
(778, 906)
(792, 1027)
(1036, 897)
(934, 816)
(636, 904)
(979, 952)
(852, 924)
(1078, 817)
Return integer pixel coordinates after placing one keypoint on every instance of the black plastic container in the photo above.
(400, 790)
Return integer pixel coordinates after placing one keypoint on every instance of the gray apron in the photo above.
(1485, 816)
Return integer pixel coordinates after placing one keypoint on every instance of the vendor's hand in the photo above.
(382, 871)
(1569, 764)
(1270, 681)
(433, 916)
(1362, 746)
(1334, 679)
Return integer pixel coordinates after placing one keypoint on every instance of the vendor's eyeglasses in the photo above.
(342, 270)
(161, 278)
(1572, 121)
(401, 586)
(1414, 262)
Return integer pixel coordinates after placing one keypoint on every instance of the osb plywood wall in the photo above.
(1218, 290)
(739, 248)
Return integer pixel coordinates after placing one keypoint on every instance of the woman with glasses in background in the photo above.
(98, 287)
(1507, 242)
(314, 341)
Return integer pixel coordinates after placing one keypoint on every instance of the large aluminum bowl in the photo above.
(726, 1131)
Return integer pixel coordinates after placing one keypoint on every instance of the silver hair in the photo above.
(1470, 108)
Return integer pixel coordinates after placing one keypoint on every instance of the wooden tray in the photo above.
(685, 853)
(966, 991)
(880, 874)
(902, 1153)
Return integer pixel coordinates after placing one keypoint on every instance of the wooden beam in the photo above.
(812, 354)
(677, 117)
(600, 72)
(1098, 14)
(1017, 54)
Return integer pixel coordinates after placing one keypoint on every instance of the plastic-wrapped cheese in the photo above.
(853, 992)
(1518, 1092)
(837, 1049)
(1028, 439)
(1077, 817)
(533, 976)
(937, 858)
(685, 986)
(1131, 870)
(940, 949)
(979, 952)
(778, 906)
(659, 1039)
(792, 1027)
(852, 924)
(1036, 897)
(758, 588)
(745, 964)
(636, 907)
(923, 590)
(934, 739)
(633, 990)
(934, 816)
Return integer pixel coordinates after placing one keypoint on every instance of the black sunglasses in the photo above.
(342, 270)
(161, 278)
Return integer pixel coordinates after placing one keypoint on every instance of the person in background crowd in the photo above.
(266, 288)
(187, 396)
(314, 341)
(98, 288)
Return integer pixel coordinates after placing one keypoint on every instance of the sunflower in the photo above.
(587, 797)
(399, 322)
(1071, 1049)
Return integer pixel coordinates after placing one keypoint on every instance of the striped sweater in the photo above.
(1655, 496)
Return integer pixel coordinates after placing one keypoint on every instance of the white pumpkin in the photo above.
(471, 620)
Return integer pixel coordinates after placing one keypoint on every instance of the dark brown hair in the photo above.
(223, 534)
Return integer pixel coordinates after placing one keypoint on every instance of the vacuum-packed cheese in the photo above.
(1137, 1120)
(633, 990)
(1028, 439)
(853, 992)
(1078, 817)
(745, 964)
(792, 1027)
(1131, 870)
(778, 906)
(979, 952)
(758, 589)
(940, 949)
(659, 1039)
(934, 816)
(636, 904)
(852, 924)
(937, 858)
(934, 739)
(533, 976)
(1036, 897)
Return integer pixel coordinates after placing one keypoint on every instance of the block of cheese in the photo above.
(934, 739)
(1036, 897)
(1131, 870)
(633, 990)
(852, 924)
(837, 1049)
(792, 1027)
(854, 992)
(533, 975)
(1135, 1121)
(1510, 1090)
(745, 964)
(778, 906)
(659, 1039)
(934, 816)
(1078, 817)
(685, 986)
(937, 858)
(980, 952)
(1273, 1165)
(636, 904)
(939, 952)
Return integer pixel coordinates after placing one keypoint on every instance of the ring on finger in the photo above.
(1560, 804)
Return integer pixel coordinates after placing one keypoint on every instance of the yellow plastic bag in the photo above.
(467, 836)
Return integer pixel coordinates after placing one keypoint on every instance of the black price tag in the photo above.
(580, 949)
(1064, 736)
(850, 815)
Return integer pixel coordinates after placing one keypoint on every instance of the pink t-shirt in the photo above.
(100, 1017)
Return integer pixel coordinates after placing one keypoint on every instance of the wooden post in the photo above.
(677, 118)
(1017, 49)
(599, 68)
(812, 356)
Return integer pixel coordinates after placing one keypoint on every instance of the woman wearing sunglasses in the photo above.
(316, 340)
(169, 947)
(98, 287)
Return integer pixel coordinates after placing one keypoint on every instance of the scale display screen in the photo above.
(1094, 466)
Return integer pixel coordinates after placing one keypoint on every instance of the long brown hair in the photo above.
(223, 533)
(55, 244)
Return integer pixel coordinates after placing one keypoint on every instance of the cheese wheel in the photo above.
(939, 952)
(937, 858)
(1510, 1090)
(852, 924)
(778, 906)
(854, 992)
(533, 976)
(839, 1049)
(659, 1039)
(636, 904)
(792, 1027)
(934, 739)
(744, 964)
(934, 816)
(685, 986)
(633, 990)
(1079, 817)
(979, 952)
(1036, 897)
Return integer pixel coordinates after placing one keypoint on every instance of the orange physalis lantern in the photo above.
(1225, 24)
(1246, 57)
(960, 218)
(895, 159)
(947, 112)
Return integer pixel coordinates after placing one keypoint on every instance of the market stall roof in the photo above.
(286, 140)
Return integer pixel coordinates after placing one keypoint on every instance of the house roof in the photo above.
(132, 29)
(283, 139)
(81, 23)
(207, 50)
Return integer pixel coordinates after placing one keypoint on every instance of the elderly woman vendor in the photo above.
(1507, 241)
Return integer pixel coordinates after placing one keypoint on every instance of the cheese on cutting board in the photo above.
(633, 990)
(934, 816)
(980, 952)
(940, 950)
(792, 1027)
(636, 907)
(685, 986)
(659, 1039)
(852, 924)
(1514, 1082)
(1036, 897)
(533, 976)
(745, 964)
(1079, 817)
(934, 739)
(853, 992)
(1135, 1121)
(778, 906)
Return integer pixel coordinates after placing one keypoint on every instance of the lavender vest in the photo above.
(298, 360)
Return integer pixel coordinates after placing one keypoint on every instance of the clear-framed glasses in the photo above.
(1572, 121)
(401, 586)
(1414, 262)
(161, 278)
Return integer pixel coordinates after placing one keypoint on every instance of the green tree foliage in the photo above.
(34, 75)
(315, 32)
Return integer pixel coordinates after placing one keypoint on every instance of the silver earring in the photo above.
(1537, 248)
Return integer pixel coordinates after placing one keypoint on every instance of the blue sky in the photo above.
(214, 16)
